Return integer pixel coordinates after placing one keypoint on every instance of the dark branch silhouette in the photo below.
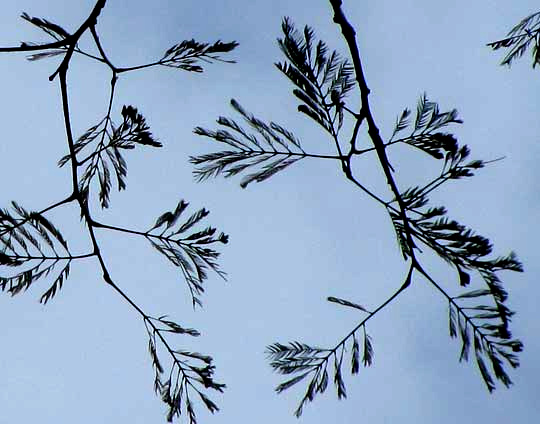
(322, 80)
(33, 249)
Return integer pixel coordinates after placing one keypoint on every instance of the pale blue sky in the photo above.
(83, 357)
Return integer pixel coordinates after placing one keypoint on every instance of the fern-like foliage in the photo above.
(487, 326)
(107, 141)
(190, 373)
(424, 132)
(186, 248)
(316, 364)
(424, 135)
(184, 55)
(322, 79)
(469, 254)
(31, 248)
(519, 39)
(55, 31)
(272, 149)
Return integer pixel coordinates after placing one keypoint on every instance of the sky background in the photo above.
(303, 235)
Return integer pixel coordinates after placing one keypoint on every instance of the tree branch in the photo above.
(365, 112)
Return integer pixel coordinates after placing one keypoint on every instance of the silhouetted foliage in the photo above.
(33, 249)
(321, 82)
(109, 140)
(185, 54)
(190, 252)
(274, 149)
(520, 38)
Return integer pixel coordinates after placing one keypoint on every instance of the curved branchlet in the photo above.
(478, 316)
(184, 55)
(520, 38)
(191, 250)
(322, 81)
(299, 358)
(32, 248)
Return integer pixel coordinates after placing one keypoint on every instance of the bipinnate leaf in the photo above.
(322, 80)
(31, 248)
(272, 149)
(187, 373)
(187, 53)
(304, 360)
(108, 140)
(188, 248)
(519, 39)
(425, 132)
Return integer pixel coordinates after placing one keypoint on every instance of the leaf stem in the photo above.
(56, 258)
(68, 199)
(414, 265)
